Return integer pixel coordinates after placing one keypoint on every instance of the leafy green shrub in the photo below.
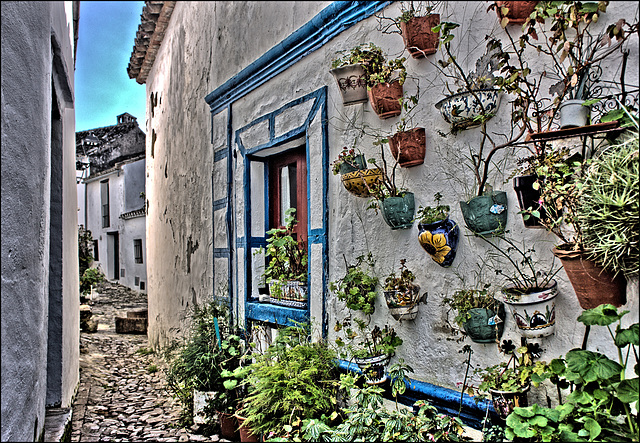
(90, 277)
(357, 287)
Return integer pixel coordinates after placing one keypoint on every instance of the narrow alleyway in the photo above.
(122, 394)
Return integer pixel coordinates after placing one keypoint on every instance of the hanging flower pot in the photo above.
(418, 37)
(485, 325)
(409, 147)
(359, 163)
(292, 294)
(518, 11)
(359, 182)
(352, 84)
(385, 99)
(529, 197)
(486, 214)
(398, 211)
(403, 305)
(573, 114)
(460, 110)
(440, 240)
(534, 311)
(504, 401)
(592, 284)
(373, 368)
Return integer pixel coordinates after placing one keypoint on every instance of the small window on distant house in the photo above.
(95, 251)
(142, 286)
(137, 250)
(104, 198)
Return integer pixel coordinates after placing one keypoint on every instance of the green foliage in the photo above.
(430, 214)
(403, 282)
(514, 375)
(357, 288)
(376, 66)
(85, 249)
(599, 405)
(292, 381)
(90, 277)
(364, 342)
(288, 256)
(609, 207)
(463, 300)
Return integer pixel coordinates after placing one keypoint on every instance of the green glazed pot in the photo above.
(398, 211)
(487, 214)
(359, 161)
(483, 327)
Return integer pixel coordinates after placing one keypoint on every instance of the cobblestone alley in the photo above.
(122, 394)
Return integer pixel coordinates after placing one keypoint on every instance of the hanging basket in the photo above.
(460, 110)
(409, 147)
(504, 401)
(398, 211)
(440, 240)
(485, 325)
(373, 368)
(486, 214)
(518, 11)
(592, 284)
(359, 162)
(403, 305)
(385, 99)
(534, 312)
(352, 84)
(359, 182)
(418, 37)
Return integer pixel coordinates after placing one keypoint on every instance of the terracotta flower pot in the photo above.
(409, 147)
(518, 11)
(246, 435)
(359, 182)
(385, 99)
(592, 284)
(418, 37)
(352, 84)
(228, 426)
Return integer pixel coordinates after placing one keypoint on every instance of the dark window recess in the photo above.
(104, 198)
(137, 281)
(122, 272)
(137, 250)
(96, 256)
(142, 286)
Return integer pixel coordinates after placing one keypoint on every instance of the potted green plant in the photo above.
(349, 70)
(348, 161)
(478, 313)
(408, 144)
(286, 271)
(437, 233)
(358, 287)
(401, 293)
(385, 80)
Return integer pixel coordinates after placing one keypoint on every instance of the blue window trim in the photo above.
(326, 25)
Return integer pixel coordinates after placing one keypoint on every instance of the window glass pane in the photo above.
(288, 190)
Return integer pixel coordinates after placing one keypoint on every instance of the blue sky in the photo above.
(103, 88)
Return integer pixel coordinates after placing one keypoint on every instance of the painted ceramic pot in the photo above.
(533, 312)
(352, 84)
(358, 183)
(292, 294)
(504, 401)
(418, 37)
(518, 11)
(403, 305)
(385, 99)
(359, 162)
(373, 368)
(592, 284)
(573, 114)
(461, 109)
(398, 211)
(440, 240)
(485, 325)
(409, 147)
(486, 214)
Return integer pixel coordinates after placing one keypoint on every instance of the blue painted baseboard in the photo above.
(276, 315)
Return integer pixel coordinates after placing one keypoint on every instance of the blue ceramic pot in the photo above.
(440, 240)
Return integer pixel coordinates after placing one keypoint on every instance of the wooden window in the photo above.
(288, 189)
(104, 198)
(137, 250)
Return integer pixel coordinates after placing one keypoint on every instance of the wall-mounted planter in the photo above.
(359, 182)
(440, 240)
(461, 109)
(573, 114)
(505, 401)
(398, 211)
(292, 294)
(418, 37)
(373, 368)
(483, 327)
(592, 284)
(403, 305)
(359, 161)
(385, 99)
(409, 147)
(528, 197)
(518, 11)
(352, 84)
(534, 312)
(486, 214)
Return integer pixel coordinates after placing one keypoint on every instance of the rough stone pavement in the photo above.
(119, 398)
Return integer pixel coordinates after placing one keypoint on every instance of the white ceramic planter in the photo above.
(534, 313)
(403, 308)
(461, 109)
(352, 84)
(375, 364)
